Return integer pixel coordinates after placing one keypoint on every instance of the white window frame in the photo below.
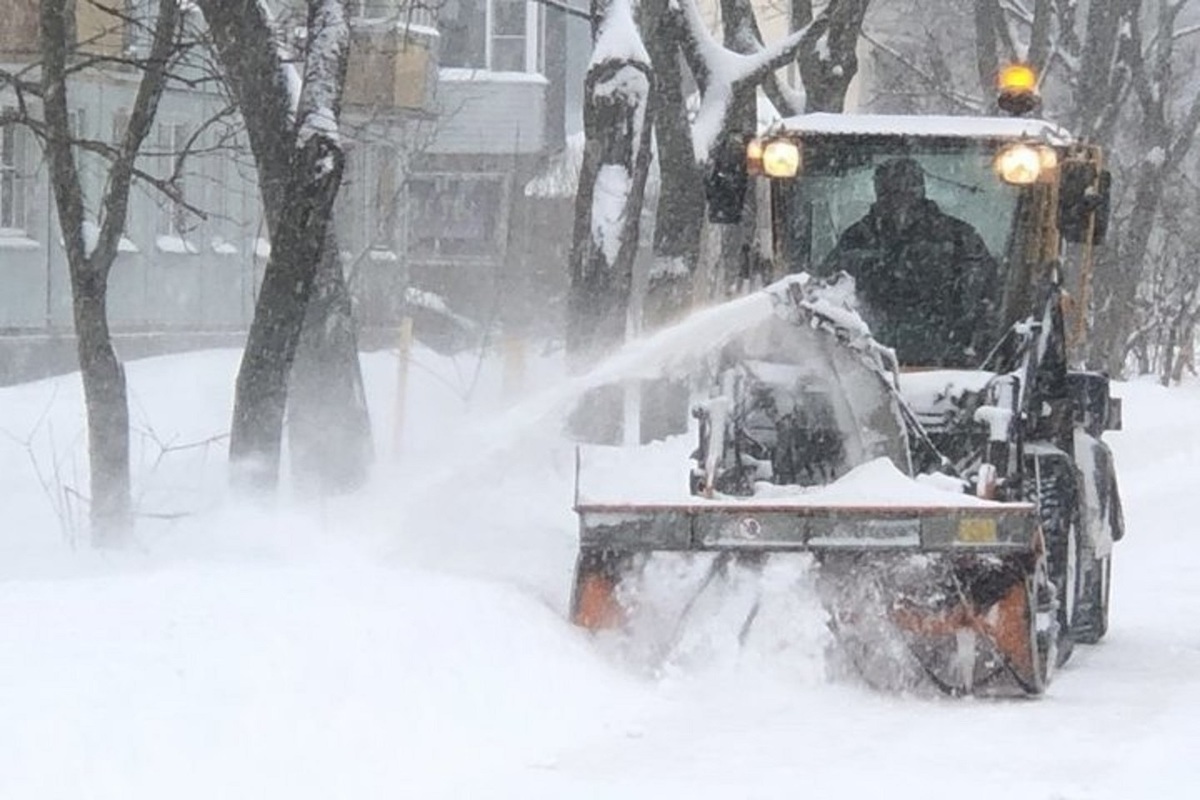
(381, 171)
(534, 13)
(532, 36)
(16, 180)
(219, 173)
(137, 31)
(170, 236)
(494, 252)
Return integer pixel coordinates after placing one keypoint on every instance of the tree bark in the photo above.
(103, 377)
(329, 425)
(827, 72)
(297, 245)
(298, 181)
(679, 216)
(617, 122)
(680, 213)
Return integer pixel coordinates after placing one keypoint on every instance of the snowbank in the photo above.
(409, 640)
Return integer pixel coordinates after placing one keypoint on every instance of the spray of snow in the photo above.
(242, 652)
(668, 267)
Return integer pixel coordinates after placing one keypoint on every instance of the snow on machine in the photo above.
(906, 414)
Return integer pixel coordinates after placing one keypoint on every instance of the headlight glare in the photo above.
(781, 158)
(1019, 164)
(754, 156)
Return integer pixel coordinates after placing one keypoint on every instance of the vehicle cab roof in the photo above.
(912, 125)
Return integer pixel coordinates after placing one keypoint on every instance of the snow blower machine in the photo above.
(905, 412)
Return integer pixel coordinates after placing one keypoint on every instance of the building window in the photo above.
(497, 35)
(456, 216)
(15, 180)
(508, 35)
(137, 32)
(223, 236)
(174, 221)
(120, 123)
(381, 213)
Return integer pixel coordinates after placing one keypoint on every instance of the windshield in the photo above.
(924, 228)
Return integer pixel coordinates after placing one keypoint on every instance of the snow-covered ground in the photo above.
(410, 641)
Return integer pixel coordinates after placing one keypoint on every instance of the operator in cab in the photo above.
(925, 279)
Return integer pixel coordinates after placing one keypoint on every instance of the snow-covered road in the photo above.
(410, 641)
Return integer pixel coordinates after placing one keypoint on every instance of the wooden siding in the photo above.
(97, 31)
(491, 114)
(18, 30)
(389, 70)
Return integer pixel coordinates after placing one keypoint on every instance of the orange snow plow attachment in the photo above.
(915, 596)
(805, 446)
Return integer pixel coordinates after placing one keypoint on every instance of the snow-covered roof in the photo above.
(923, 125)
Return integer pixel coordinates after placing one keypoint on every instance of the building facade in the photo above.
(445, 119)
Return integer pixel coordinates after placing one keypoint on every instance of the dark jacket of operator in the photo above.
(925, 279)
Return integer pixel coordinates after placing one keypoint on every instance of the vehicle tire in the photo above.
(1041, 647)
(1055, 490)
(1091, 616)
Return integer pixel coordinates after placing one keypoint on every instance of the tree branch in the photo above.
(962, 100)
(145, 105)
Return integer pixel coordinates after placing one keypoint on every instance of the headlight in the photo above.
(754, 157)
(1019, 164)
(781, 159)
(1049, 159)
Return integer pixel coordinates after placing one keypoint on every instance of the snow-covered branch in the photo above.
(722, 73)
(324, 71)
(612, 180)
(619, 85)
(712, 63)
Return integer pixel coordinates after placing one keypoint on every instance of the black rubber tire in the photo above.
(1091, 618)
(1055, 489)
(1041, 649)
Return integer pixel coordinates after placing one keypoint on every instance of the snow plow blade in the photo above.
(916, 596)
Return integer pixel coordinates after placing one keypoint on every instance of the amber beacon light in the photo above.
(1018, 87)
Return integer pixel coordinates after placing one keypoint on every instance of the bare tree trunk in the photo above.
(1187, 350)
(107, 412)
(680, 212)
(297, 246)
(679, 216)
(299, 179)
(600, 287)
(1118, 272)
(988, 19)
(329, 426)
(827, 70)
(102, 374)
(617, 120)
(1168, 361)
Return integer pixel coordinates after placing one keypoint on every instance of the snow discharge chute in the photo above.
(806, 447)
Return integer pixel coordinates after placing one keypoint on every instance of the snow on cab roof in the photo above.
(921, 125)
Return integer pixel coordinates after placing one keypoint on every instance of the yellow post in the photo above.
(404, 348)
